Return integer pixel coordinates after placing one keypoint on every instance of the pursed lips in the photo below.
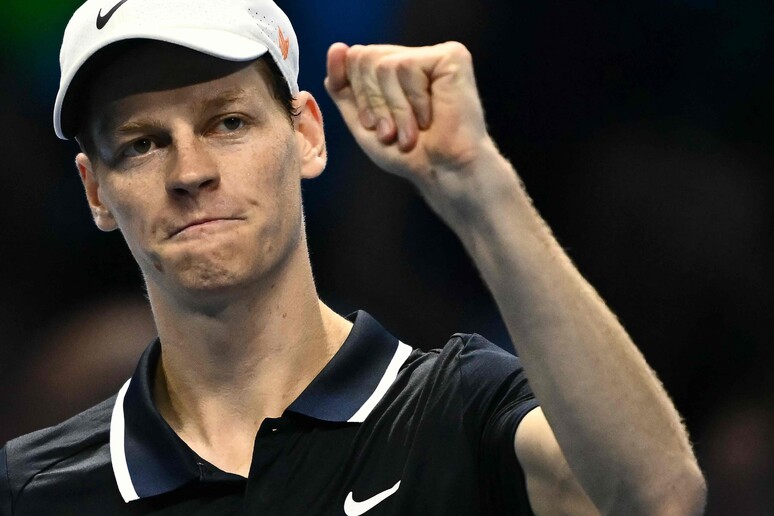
(200, 222)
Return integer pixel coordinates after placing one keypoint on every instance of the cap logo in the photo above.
(102, 20)
(284, 43)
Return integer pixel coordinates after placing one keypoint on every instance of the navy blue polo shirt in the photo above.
(384, 429)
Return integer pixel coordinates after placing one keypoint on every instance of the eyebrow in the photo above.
(218, 101)
(137, 125)
(223, 98)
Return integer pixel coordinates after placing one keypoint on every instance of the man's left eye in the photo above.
(232, 123)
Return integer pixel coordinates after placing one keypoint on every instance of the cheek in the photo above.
(279, 201)
(131, 204)
(278, 179)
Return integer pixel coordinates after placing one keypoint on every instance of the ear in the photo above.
(308, 124)
(103, 218)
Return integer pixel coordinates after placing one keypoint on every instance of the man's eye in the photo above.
(232, 123)
(138, 148)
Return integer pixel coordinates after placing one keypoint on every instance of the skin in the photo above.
(607, 438)
(202, 177)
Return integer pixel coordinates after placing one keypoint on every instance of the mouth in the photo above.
(203, 226)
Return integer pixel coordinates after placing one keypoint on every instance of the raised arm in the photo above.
(417, 114)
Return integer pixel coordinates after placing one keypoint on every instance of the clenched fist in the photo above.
(414, 111)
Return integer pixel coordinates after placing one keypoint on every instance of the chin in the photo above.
(208, 280)
(212, 277)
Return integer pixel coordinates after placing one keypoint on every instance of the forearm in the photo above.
(612, 418)
(615, 424)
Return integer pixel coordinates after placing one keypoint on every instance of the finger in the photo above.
(344, 98)
(355, 55)
(343, 84)
(336, 79)
(393, 95)
(373, 90)
(337, 83)
(416, 87)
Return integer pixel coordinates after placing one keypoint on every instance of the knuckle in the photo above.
(418, 99)
(375, 99)
(458, 51)
(384, 67)
(354, 55)
(399, 108)
(362, 98)
(406, 65)
(356, 50)
(365, 67)
(368, 56)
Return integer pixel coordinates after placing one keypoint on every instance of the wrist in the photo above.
(475, 191)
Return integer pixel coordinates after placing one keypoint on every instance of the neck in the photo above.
(222, 372)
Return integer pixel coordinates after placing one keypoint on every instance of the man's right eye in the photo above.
(138, 148)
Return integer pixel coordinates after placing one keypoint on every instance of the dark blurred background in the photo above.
(641, 129)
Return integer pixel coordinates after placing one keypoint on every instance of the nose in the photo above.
(192, 170)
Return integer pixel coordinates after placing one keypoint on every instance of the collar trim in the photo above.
(390, 374)
(117, 449)
(149, 459)
(357, 376)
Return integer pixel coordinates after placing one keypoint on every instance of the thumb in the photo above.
(337, 68)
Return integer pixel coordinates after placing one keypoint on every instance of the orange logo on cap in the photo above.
(284, 44)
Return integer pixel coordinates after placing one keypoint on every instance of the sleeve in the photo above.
(497, 399)
(5, 484)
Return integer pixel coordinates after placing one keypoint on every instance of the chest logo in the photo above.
(353, 508)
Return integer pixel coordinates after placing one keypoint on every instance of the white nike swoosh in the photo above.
(353, 508)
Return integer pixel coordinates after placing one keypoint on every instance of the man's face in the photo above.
(197, 164)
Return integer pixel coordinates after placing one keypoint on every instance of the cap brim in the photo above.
(217, 43)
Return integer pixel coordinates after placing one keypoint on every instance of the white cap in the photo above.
(234, 30)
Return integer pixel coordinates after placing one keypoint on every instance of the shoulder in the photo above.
(471, 348)
(80, 436)
(482, 376)
(479, 356)
(470, 358)
(481, 391)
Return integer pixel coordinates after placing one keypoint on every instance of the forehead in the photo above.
(151, 66)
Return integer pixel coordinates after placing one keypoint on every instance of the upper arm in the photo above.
(551, 485)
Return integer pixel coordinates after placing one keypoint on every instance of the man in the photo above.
(257, 398)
